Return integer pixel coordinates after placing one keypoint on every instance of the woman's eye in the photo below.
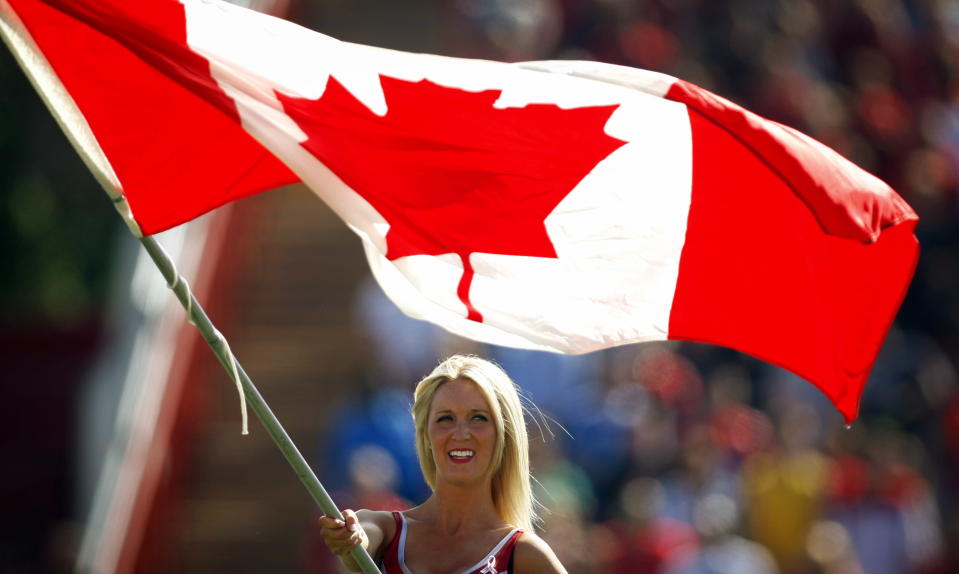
(444, 418)
(480, 418)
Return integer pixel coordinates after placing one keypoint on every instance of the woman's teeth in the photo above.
(462, 454)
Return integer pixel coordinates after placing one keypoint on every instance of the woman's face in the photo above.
(461, 432)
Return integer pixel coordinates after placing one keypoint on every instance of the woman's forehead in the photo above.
(459, 394)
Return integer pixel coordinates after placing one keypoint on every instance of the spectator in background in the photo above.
(784, 488)
(723, 551)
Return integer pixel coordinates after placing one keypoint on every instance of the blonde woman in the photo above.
(473, 450)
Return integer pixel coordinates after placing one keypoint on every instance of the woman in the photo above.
(472, 447)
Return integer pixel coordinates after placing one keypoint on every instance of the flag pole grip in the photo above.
(198, 317)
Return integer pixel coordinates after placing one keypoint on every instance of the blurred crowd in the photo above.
(684, 458)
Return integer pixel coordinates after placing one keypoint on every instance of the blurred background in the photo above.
(121, 447)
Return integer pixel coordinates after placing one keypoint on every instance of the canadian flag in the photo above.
(569, 206)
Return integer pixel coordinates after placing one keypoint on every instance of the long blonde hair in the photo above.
(512, 495)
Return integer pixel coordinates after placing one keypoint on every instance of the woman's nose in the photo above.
(461, 430)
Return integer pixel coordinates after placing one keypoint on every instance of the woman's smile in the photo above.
(461, 456)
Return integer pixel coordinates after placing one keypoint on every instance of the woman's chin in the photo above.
(459, 476)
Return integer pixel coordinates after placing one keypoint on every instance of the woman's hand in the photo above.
(341, 536)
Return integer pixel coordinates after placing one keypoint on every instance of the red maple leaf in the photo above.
(451, 173)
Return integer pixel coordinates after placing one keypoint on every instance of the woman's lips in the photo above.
(461, 456)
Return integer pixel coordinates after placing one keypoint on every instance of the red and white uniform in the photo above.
(497, 561)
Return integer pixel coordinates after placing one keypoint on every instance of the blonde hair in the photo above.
(512, 495)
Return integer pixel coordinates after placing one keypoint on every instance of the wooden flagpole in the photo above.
(198, 317)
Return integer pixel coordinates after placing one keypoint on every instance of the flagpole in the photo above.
(198, 317)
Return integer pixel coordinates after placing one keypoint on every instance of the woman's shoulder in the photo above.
(380, 528)
(376, 516)
(532, 555)
(382, 519)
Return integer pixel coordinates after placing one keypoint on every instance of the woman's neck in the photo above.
(454, 509)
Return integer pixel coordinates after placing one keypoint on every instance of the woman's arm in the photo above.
(533, 556)
(371, 528)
